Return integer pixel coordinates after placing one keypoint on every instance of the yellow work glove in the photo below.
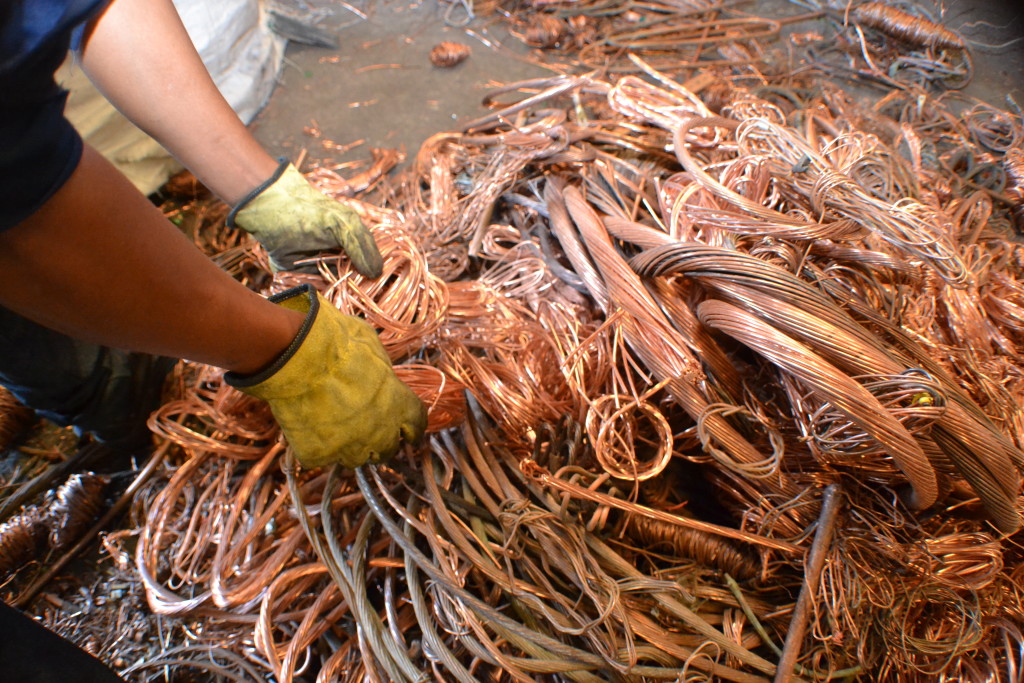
(292, 219)
(333, 391)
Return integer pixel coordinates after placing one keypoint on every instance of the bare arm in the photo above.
(139, 55)
(99, 262)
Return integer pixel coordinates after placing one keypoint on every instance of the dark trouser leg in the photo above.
(31, 653)
(99, 390)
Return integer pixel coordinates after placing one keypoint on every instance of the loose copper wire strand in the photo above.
(443, 396)
(619, 442)
(237, 551)
(332, 183)
(677, 34)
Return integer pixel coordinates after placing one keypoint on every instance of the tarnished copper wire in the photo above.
(76, 505)
(54, 524)
(15, 419)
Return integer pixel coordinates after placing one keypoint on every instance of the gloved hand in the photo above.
(333, 391)
(292, 219)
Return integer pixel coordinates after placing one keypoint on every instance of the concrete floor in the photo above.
(998, 71)
(380, 87)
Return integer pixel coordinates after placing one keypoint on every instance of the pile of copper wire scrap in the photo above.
(722, 388)
(898, 45)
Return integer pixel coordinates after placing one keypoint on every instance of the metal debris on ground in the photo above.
(447, 54)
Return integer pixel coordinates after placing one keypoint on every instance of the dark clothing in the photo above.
(27, 26)
(66, 380)
(39, 148)
(102, 391)
(99, 390)
(30, 653)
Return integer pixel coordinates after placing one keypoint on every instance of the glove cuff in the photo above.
(282, 166)
(302, 298)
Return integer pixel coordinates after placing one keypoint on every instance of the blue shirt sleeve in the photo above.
(28, 26)
(39, 148)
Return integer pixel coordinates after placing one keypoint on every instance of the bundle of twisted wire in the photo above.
(648, 341)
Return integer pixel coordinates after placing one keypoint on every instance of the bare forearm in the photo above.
(99, 262)
(141, 58)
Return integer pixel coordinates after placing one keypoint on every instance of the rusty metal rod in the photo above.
(809, 590)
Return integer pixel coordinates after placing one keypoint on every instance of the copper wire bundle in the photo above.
(21, 538)
(905, 26)
(54, 524)
(407, 303)
(76, 505)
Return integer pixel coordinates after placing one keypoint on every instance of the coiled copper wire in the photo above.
(15, 419)
(21, 539)
(908, 27)
(53, 524)
(76, 505)
(406, 304)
